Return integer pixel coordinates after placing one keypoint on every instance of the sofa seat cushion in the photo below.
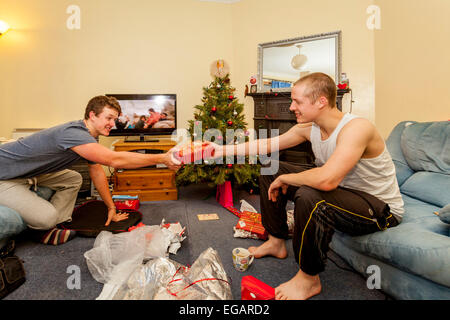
(420, 244)
(428, 187)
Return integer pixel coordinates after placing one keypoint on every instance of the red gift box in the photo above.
(192, 152)
(254, 289)
(251, 221)
(127, 204)
(234, 211)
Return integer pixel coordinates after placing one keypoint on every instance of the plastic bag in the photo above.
(115, 256)
(245, 206)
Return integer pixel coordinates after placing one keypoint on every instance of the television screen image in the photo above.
(150, 114)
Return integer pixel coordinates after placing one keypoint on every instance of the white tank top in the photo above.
(375, 176)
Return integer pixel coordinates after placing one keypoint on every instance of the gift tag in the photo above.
(208, 216)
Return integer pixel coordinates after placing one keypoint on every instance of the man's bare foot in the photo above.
(301, 287)
(272, 247)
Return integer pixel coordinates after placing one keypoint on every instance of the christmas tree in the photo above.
(220, 119)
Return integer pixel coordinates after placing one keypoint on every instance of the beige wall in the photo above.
(412, 63)
(48, 73)
(137, 46)
(259, 21)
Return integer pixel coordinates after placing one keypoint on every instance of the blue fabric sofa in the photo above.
(11, 223)
(414, 257)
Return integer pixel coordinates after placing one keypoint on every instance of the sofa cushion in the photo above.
(420, 244)
(444, 214)
(428, 187)
(426, 146)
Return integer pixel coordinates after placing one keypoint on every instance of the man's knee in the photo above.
(307, 194)
(44, 221)
(75, 178)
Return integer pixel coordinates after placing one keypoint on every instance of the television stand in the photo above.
(142, 138)
(153, 183)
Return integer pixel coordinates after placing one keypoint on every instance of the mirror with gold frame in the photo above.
(281, 63)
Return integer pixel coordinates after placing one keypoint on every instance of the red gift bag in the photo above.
(254, 289)
(224, 194)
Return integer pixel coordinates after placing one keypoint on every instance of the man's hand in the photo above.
(114, 216)
(170, 161)
(274, 189)
(213, 151)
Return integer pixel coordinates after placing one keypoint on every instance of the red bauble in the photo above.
(213, 109)
(230, 97)
(230, 123)
(229, 165)
(252, 80)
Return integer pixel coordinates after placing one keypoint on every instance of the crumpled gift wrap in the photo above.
(165, 279)
(205, 280)
(145, 282)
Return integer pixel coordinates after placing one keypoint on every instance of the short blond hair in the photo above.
(319, 84)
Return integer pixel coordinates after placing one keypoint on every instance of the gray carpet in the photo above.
(46, 266)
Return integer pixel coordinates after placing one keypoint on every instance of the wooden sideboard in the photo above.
(150, 183)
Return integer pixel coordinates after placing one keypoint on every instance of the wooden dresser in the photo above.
(150, 183)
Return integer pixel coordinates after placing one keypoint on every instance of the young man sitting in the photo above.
(353, 187)
(42, 158)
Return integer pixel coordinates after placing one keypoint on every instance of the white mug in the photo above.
(242, 259)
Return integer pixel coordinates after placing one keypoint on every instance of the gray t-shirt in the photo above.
(43, 152)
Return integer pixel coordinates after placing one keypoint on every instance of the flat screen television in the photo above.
(145, 115)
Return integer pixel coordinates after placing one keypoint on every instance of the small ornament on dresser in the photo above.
(345, 82)
(253, 87)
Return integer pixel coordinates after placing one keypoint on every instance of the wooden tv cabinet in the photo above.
(150, 183)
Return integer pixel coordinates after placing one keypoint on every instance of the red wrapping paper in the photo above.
(254, 289)
(127, 204)
(251, 221)
(234, 211)
(192, 152)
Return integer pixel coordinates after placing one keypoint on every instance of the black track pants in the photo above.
(317, 214)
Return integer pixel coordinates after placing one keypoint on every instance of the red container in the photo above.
(254, 289)
(127, 204)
